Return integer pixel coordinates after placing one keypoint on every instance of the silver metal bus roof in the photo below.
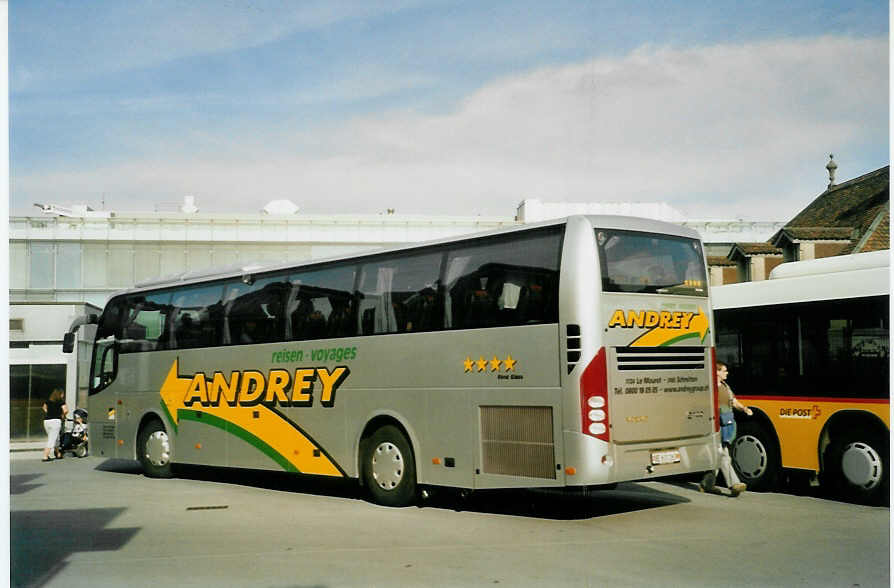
(216, 273)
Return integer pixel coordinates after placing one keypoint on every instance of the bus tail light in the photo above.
(714, 388)
(594, 398)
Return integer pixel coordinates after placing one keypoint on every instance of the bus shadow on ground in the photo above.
(42, 540)
(268, 480)
(545, 503)
(557, 504)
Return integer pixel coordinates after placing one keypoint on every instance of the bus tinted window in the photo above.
(760, 345)
(400, 294)
(835, 348)
(640, 262)
(198, 316)
(254, 313)
(502, 282)
(137, 323)
(321, 304)
(147, 325)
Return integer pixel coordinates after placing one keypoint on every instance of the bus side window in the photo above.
(255, 312)
(309, 318)
(503, 281)
(399, 294)
(320, 303)
(339, 323)
(197, 320)
(146, 326)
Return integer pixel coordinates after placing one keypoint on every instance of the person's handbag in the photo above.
(727, 426)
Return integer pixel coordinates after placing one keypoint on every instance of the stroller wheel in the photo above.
(81, 451)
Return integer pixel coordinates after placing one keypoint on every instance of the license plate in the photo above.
(665, 457)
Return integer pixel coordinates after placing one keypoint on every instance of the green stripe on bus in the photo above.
(251, 439)
(680, 338)
(171, 420)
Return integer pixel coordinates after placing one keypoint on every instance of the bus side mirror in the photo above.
(68, 343)
(69, 338)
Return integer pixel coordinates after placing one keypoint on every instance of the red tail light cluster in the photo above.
(716, 391)
(594, 398)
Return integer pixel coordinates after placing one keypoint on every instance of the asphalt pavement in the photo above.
(98, 522)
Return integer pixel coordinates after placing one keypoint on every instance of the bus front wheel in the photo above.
(389, 468)
(154, 450)
(755, 456)
(856, 467)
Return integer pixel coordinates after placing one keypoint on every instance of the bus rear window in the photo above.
(651, 264)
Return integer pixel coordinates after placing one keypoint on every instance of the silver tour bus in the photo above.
(576, 352)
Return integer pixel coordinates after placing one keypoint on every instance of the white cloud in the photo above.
(714, 131)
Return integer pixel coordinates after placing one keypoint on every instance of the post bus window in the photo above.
(761, 346)
(503, 282)
(254, 313)
(400, 294)
(869, 349)
(321, 304)
(845, 348)
(197, 316)
(645, 263)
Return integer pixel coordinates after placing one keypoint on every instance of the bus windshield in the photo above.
(651, 264)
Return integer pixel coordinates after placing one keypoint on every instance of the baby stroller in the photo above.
(74, 440)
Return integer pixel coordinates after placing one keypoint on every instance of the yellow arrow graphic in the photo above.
(265, 428)
(661, 335)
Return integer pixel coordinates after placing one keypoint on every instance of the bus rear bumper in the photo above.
(589, 461)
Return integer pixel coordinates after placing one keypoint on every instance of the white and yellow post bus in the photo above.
(809, 352)
(576, 352)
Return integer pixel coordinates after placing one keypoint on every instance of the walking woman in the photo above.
(728, 403)
(54, 415)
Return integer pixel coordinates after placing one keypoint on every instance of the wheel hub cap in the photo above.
(158, 449)
(750, 456)
(862, 465)
(387, 466)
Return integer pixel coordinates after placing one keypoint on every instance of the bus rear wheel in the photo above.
(389, 468)
(856, 467)
(755, 456)
(154, 450)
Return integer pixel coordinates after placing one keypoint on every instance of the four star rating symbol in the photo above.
(481, 364)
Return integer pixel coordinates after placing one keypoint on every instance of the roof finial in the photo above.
(831, 166)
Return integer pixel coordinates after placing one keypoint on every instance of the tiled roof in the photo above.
(756, 249)
(881, 236)
(845, 212)
(854, 203)
(819, 233)
(878, 240)
(717, 260)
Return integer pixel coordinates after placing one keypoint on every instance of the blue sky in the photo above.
(720, 109)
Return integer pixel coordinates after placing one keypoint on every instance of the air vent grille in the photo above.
(572, 345)
(518, 441)
(660, 358)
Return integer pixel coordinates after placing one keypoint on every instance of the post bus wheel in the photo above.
(389, 468)
(856, 468)
(755, 456)
(154, 450)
